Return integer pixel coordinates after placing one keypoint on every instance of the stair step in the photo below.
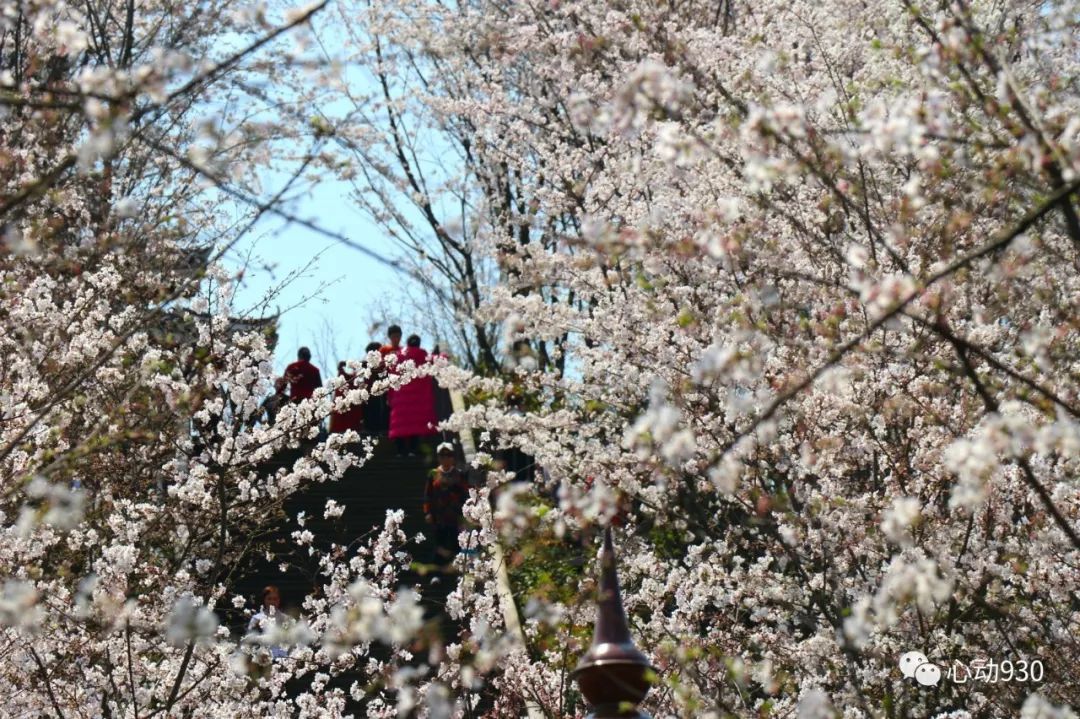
(385, 482)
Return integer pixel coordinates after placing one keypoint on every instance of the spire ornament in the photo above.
(613, 676)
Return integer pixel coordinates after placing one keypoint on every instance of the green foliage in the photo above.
(547, 568)
(668, 543)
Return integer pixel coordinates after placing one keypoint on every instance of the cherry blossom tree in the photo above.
(812, 269)
(138, 478)
(799, 287)
(430, 176)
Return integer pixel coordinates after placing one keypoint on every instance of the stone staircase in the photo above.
(385, 482)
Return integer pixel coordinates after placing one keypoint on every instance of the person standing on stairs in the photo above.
(270, 406)
(303, 377)
(443, 406)
(353, 417)
(375, 410)
(393, 333)
(412, 406)
(444, 497)
(511, 458)
(268, 617)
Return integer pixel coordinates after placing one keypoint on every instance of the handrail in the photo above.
(502, 577)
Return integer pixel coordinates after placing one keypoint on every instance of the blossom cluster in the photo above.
(139, 474)
(789, 293)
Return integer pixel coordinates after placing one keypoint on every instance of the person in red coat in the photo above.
(353, 417)
(412, 406)
(303, 377)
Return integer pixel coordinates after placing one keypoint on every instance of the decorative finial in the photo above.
(613, 675)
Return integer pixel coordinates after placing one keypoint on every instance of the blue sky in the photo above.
(332, 304)
(336, 305)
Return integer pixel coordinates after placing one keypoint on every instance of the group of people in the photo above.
(407, 414)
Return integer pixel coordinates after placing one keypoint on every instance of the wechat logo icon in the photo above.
(915, 665)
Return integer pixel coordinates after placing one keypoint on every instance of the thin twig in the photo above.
(1000, 241)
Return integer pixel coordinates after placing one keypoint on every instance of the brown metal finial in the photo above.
(613, 675)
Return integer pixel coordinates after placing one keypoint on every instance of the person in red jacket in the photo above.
(303, 377)
(412, 406)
